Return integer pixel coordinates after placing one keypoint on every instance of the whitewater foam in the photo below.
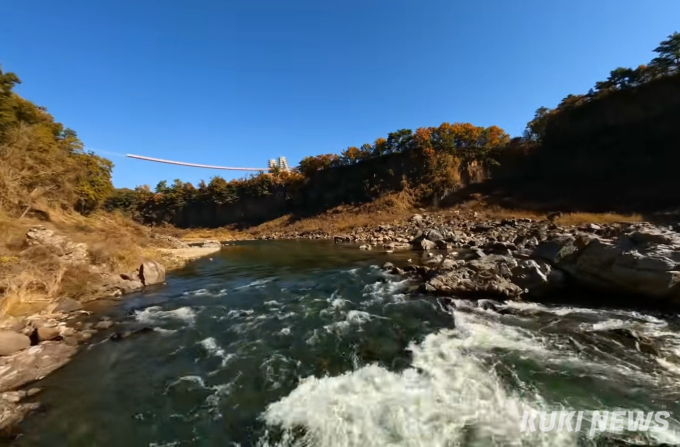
(211, 346)
(155, 313)
(448, 397)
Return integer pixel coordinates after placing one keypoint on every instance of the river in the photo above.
(312, 344)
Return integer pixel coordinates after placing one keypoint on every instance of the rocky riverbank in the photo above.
(32, 346)
(512, 258)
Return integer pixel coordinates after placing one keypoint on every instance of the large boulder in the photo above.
(151, 272)
(644, 262)
(12, 342)
(34, 363)
(537, 278)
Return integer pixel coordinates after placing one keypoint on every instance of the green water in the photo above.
(310, 343)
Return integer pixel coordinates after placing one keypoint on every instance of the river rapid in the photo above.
(301, 343)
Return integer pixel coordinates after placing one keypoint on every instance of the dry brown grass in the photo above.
(31, 278)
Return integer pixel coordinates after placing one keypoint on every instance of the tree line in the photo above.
(43, 161)
(666, 63)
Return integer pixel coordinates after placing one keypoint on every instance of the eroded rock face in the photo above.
(67, 250)
(645, 262)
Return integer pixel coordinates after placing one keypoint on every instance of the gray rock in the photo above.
(67, 305)
(427, 244)
(67, 250)
(32, 364)
(433, 235)
(151, 272)
(12, 342)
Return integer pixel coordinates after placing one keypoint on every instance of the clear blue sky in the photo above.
(238, 82)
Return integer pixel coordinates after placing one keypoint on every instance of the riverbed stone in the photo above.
(48, 333)
(67, 305)
(12, 342)
(31, 364)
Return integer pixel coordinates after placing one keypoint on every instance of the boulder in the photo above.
(11, 414)
(426, 244)
(12, 342)
(48, 333)
(67, 305)
(34, 363)
(151, 272)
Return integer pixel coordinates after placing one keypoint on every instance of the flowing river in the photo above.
(312, 344)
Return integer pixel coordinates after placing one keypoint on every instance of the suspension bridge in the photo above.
(281, 163)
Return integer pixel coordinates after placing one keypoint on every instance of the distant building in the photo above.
(281, 163)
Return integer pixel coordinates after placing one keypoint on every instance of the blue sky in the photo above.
(238, 82)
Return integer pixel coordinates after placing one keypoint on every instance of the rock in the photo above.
(537, 278)
(106, 324)
(388, 266)
(113, 285)
(553, 216)
(48, 333)
(365, 247)
(433, 235)
(427, 244)
(32, 364)
(67, 305)
(151, 272)
(169, 241)
(554, 250)
(67, 250)
(416, 218)
(488, 305)
(122, 335)
(12, 342)
(467, 283)
(11, 415)
(207, 244)
(338, 239)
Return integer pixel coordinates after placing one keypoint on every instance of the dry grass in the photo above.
(387, 208)
(33, 277)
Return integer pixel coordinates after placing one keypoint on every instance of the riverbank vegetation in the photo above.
(47, 178)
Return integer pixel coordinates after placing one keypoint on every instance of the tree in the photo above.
(535, 130)
(397, 141)
(668, 59)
